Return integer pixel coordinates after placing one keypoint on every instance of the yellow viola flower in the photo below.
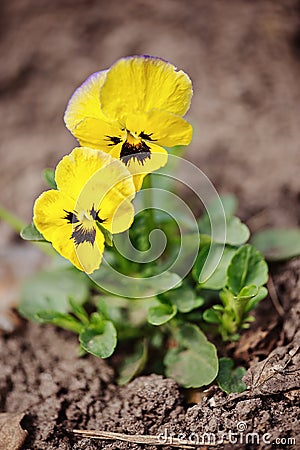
(94, 191)
(132, 111)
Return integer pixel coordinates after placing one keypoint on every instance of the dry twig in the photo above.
(139, 439)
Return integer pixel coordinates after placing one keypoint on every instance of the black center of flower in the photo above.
(81, 233)
(139, 151)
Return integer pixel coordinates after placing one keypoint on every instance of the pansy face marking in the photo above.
(85, 231)
(139, 152)
(132, 111)
(93, 189)
(134, 148)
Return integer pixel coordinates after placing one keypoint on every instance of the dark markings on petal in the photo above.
(70, 217)
(114, 140)
(140, 152)
(95, 215)
(143, 135)
(81, 235)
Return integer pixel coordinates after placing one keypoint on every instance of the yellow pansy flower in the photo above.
(94, 190)
(132, 111)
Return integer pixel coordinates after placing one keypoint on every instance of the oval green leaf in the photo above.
(99, 341)
(246, 268)
(51, 290)
(133, 364)
(195, 362)
(278, 244)
(30, 233)
(158, 315)
(230, 379)
(211, 265)
(49, 176)
(184, 297)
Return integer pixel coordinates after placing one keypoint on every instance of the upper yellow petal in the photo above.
(85, 102)
(161, 127)
(142, 83)
(110, 190)
(74, 172)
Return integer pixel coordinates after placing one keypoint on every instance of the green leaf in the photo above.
(51, 290)
(49, 176)
(247, 267)
(278, 244)
(79, 311)
(139, 287)
(30, 233)
(214, 209)
(248, 292)
(211, 316)
(99, 338)
(230, 379)
(237, 233)
(262, 293)
(114, 309)
(107, 234)
(158, 315)
(60, 319)
(211, 265)
(133, 364)
(195, 362)
(184, 298)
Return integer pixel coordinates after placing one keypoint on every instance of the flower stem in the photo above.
(148, 203)
(17, 225)
(13, 221)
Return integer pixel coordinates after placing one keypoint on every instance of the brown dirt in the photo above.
(244, 59)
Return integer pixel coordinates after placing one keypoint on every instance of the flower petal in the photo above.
(85, 119)
(49, 214)
(90, 256)
(110, 191)
(98, 133)
(117, 211)
(162, 127)
(142, 83)
(158, 158)
(90, 174)
(85, 101)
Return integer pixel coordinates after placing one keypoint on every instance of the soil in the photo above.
(244, 60)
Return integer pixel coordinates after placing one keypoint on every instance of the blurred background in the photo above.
(242, 55)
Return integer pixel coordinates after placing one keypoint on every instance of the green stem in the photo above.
(148, 203)
(17, 225)
(13, 221)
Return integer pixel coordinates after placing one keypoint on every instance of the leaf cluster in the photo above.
(164, 332)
